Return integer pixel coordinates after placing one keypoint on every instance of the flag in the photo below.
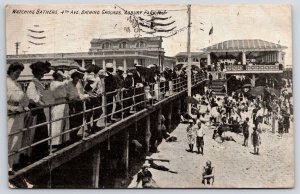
(211, 31)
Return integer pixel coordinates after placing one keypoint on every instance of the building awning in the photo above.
(244, 45)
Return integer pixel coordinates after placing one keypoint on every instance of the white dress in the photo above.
(16, 100)
(59, 93)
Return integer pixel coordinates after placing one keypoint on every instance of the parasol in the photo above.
(64, 64)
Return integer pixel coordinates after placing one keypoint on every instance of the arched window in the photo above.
(106, 45)
(141, 44)
(123, 45)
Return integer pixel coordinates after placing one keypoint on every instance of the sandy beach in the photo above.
(235, 165)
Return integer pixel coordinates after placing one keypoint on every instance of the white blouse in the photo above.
(16, 97)
(35, 91)
(76, 92)
(58, 89)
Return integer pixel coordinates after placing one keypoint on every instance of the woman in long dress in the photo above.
(59, 93)
(17, 102)
(35, 93)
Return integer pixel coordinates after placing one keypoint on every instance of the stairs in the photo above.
(217, 87)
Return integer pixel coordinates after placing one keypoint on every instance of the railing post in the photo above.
(96, 166)
(122, 105)
(159, 123)
(83, 118)
(148, 134)
(171, 87)
(164, 93)
(170, 117)
(134, 100)
(105, 110)
(145, 97)
(125, 154)
(50, 130)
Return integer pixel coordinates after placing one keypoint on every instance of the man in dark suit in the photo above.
(110, 86)
(140, 82)
(128, 92)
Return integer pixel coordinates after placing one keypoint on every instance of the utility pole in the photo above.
(17, 47)
(189, 73)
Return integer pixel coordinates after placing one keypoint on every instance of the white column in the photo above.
(96, 167)
(136, 61)
(103, 64)
(279, 57)
(82, 63)
(115, 65)
(124, 65)
(244, 58)
(253, 80)
(208, 59)
(93, 62)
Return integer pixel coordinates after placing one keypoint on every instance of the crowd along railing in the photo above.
(128, 101)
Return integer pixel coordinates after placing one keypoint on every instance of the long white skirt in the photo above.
(60, 126)
(14, 124)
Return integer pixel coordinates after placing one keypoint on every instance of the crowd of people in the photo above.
(238, 113)
(90, 96)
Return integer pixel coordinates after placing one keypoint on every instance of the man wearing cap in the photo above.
(91, 87)
(139, 80)
(128, 92)
(110, 90)
(138, 75)
(120, 85)
(190, 135)
(199, 137)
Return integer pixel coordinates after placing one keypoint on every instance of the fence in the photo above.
(129, 101)
(253, 68)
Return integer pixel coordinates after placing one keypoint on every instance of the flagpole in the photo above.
(189, 74)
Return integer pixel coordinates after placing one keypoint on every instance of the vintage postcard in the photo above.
(149, 96)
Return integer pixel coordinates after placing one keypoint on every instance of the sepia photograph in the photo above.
(149, 96)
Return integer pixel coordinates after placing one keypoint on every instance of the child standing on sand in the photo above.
(256, 141)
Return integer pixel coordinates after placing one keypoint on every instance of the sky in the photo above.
(69, 32)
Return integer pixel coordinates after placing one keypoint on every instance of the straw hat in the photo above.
(102, 72)
(109, 65)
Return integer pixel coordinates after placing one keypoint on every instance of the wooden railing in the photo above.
(139, 100)
(253, 68)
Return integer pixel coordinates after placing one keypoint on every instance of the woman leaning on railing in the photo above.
(17, 101)
(76, 99)
(35, 93)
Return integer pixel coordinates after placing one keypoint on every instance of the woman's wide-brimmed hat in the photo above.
(76, 73)
(42, 67)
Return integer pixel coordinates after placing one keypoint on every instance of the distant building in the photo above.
(198, 58)
(120, 51)
(129, 51)
(259, 60)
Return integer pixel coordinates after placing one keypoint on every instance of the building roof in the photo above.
(99, 40)
(245, 45)
(200, 54)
